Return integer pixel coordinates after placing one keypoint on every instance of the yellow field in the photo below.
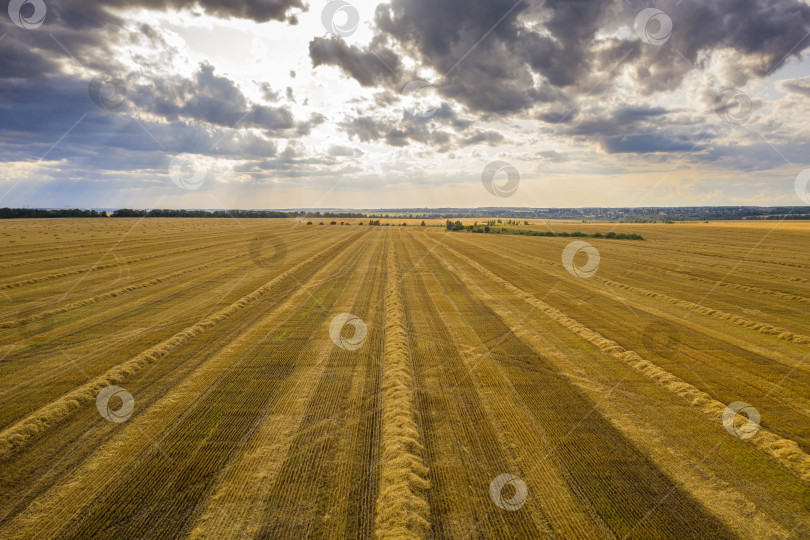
(214, 378)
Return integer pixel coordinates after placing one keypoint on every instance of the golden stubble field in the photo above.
(174, 378)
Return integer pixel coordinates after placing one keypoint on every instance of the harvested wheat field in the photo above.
(265, 378)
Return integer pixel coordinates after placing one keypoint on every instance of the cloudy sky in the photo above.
(411, 103)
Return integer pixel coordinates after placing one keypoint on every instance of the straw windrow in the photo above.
(402, 510)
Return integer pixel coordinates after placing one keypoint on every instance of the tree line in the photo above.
(12, 213)
(126, 212)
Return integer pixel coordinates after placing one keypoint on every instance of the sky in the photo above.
(410, 103)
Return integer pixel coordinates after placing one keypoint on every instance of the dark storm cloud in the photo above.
(370, 67)
(84, 28)
(33, 118)
(38, 109)
(268, 93)
(395, 133)
(447, 115)
(428, 131)
(212, 98)
(637, 130)
(259, 11)
(86, 14)
(504, 57)
(17, 60)
(365, 128)
(644, 143)
(758, 155)
(90, 32)
(491, 138)
(619, 120)
(564, 58)
(552, 61)
(183, 114)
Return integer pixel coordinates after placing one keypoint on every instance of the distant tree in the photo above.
(499, 221)
(309, 223)
(423, 224)
(334, 223)
(525, 221)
